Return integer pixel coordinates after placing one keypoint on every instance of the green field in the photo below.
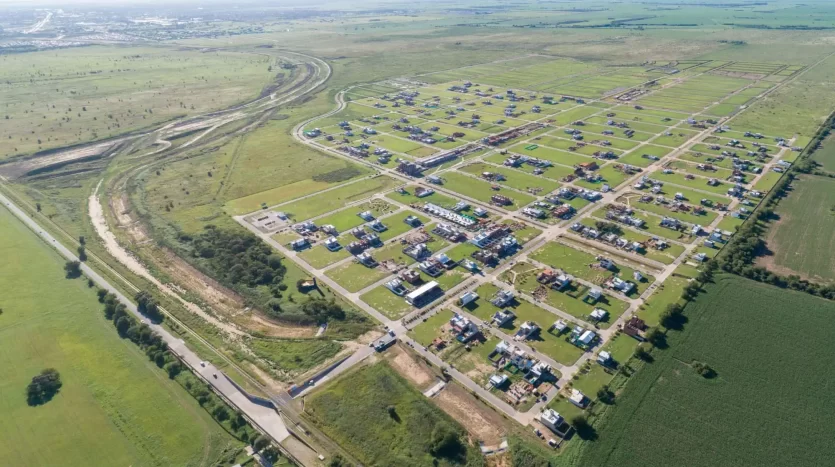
(115, 407)
(801, 240)
(105, 91)
(758, 410)
(382, 420)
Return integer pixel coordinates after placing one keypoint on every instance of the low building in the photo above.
(396, 287)
(551, 419)
(332, 244)
(559, 326)
(599, 314)
(299, 244)
(366, 259)
(424, 294)
(502, 298)
(463, 328)
(430, 268)
(593, 295)
(527, 330)
(467, 298)
(604, 358)
(498, 381)
(413, 221)
(500, 318)
(578, 398)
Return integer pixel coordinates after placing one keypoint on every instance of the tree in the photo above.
(82, 253)
(73, 269)
(173, 369)
(260, 443)
(43, 387)
(122, 325)
(271, 454)
(147, 305)
(445, 442)
(704, 370)
(338, 461)
(38, 207)
(82, 240)
(642, 354)
(101, 294)
(655, 336)
(221, 413)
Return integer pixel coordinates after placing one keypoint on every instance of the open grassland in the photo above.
(382, 420)
(115, 407)
(63, 97)
(802, 239)
(762, 406)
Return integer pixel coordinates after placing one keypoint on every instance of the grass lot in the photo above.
(387, 303)
(514, 178)
(295, 355)
(355, 276)
(802, 238)
(354, 412)
(480, 190)
(757, 411)
(825, 155)
(409, 198)
(115, 407)
(667, 293)
(427, 331)
(336, 198)
(320, 257)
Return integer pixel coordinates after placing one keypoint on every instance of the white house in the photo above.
(551, 418)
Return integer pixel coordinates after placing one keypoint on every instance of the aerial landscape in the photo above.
(386, 233)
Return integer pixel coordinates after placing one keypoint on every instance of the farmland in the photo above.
(744, 331)
(120, 406)
(593, 132)
(803, 229)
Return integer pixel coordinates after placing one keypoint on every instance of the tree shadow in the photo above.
(675, 322)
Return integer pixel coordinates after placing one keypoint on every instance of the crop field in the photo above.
(757, 410)
(353, 410)
(803, 230)
(114, 404)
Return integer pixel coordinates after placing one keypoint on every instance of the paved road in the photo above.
(266, 418)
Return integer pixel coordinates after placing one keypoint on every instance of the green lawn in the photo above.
(428, 330)
(115, 407)
(355, 276)
(667, 293)
(387, 303)
(381, 419)
(480, 190)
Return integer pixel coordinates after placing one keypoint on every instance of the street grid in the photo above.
(556, 231)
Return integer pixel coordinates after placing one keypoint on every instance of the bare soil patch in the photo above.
(411, 368)
(480, 421)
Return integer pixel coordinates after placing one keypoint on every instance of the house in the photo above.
(546, 276)
(359, 232)
(485, 238)
(418, 251)
(605, 358)
(527, 330)
(299, 244)
(411, 276)
(480, 212)
(578, 398)
(635, 327)
(599, 314)
(430, 268)
(551, 419)
(463, 328)
(622, 286)
(559, 326)
(593, 295)
(445, 261)
(332, 244)
(366, 216)
(413, 221)
(561, 282)
(467, 298)
(330, 230)
(700, 257)
(396, 287)
(423, 294)
(502, 298)
(500, 318)
(587, 338)
(607, 264)
(377, 226)
(498, 381)
(366, 260)
(637, 276)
